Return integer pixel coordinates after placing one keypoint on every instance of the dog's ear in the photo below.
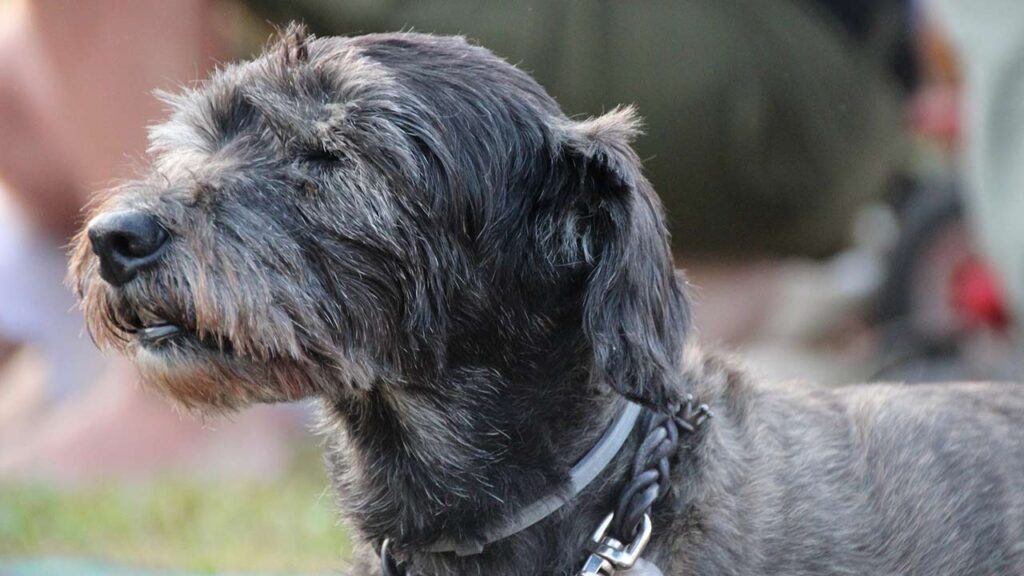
(635, 313)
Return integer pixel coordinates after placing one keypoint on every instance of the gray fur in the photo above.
(408, 229)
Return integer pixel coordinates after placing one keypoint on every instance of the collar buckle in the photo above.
(610, 555)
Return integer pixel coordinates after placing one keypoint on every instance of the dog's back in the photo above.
(891, 479)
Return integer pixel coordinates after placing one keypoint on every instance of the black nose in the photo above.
(126, 243)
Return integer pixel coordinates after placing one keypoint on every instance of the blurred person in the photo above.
(989, 38)
(76, 96)
(73, 103)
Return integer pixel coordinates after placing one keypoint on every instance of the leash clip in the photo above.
(388, 565)
(610, 555)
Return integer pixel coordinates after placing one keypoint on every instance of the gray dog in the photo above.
(479, 291)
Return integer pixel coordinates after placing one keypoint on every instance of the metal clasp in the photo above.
(388, 565)
(610, 555)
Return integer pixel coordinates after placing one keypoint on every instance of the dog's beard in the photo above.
(190, 350)
(205, 381)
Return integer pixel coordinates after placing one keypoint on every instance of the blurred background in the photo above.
(842, 179)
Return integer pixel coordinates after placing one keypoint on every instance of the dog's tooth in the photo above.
(159, 332)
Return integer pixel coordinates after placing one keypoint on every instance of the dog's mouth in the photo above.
(163, 334)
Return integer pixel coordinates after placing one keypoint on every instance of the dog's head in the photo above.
(341, 214)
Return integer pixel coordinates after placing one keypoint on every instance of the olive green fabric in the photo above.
(765, 125)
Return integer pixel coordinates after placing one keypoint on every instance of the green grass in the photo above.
(284, 525)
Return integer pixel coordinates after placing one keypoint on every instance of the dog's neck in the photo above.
(449, 459)
(429, 461)
(437, 472)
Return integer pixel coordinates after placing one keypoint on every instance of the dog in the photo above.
(477, 289)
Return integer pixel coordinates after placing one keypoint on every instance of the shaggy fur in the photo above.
(408, 229)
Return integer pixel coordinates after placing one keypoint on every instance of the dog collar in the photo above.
(581, 475)
(648, 483)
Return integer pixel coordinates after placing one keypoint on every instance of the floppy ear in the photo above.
(635, 313)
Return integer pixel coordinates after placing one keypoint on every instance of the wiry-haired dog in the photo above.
(408, 229)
